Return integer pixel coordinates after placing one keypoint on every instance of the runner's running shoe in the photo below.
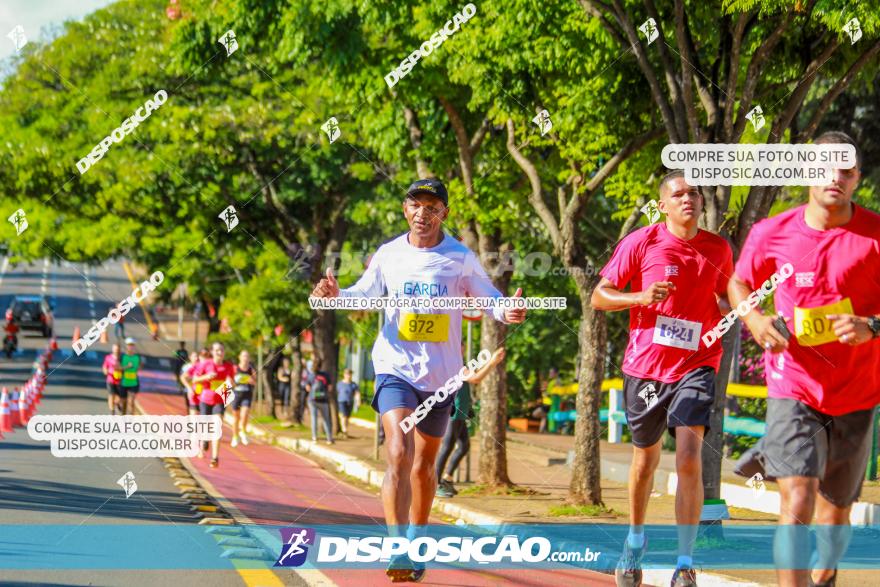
(830, 582)
(629, 570)
(401, 569)
(684, 577)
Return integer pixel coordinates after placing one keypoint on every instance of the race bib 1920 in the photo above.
(424, 327)
(676, 332)
(811, 325)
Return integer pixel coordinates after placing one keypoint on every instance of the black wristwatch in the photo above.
(874, 325)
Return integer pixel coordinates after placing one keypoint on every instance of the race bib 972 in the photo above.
(424, 327)
(811, 325)
(683, 334)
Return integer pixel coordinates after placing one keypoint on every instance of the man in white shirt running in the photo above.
(417, 352)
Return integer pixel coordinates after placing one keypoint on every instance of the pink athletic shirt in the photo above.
(664, 338)
(832, 269)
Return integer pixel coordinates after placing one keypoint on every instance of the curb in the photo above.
(365, 472)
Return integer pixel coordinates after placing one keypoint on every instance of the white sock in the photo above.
(685, 561)
(636, 539)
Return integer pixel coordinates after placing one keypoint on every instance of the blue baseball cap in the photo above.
(431, 186)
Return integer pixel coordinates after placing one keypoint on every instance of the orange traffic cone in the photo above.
(22, 409)
(13, 408)
(75, 333)
(5, 415)
(53, 344)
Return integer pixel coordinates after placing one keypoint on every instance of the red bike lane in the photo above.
(271, 485)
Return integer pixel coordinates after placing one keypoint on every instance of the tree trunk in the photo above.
(713, 442)
(325, 350)
(295, 373)
(586, 473)
(493, 411)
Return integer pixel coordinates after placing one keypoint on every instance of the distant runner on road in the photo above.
(131, 364)
(416, 353)
(215, 374)
(823, 378)
(112, 369)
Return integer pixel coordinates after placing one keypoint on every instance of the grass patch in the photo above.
(478, 489)
(591, 511)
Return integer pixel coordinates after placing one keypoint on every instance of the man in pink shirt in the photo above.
(821, 367)
(677, 275)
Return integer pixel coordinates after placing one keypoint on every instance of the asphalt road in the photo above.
(56, 513)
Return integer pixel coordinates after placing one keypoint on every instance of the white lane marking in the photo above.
(3, 268)
(165, 362)
(45, 274)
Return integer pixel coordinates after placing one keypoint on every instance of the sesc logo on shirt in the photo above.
(804, 279)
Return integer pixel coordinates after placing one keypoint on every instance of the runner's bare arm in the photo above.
(759, 325)
(481, 373)
(608, 298)
(851, 329)
(327, 287)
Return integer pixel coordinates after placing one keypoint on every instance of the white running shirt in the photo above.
(399, 269)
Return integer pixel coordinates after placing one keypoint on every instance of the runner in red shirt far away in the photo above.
(677, 275)
(822, 376)
(217, 376)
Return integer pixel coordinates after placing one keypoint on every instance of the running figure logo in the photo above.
(225, 392)
(331, 127)
(543, 121)
(294, 549)
(128, 483)
(230, 217)
(228, 40)
(18, 37)
(756, 117)
(19, 221)
(649, 394)
(652, 211)
(649, 28)
(756, 482)
(854, 29)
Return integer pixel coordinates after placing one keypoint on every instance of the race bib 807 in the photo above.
(811, 325)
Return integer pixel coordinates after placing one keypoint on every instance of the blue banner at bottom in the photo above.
(515, 546)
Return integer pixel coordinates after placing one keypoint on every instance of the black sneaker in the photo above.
(443, 491)
(684, 577)
(401, 569)
(448, 487)
(629, 571)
